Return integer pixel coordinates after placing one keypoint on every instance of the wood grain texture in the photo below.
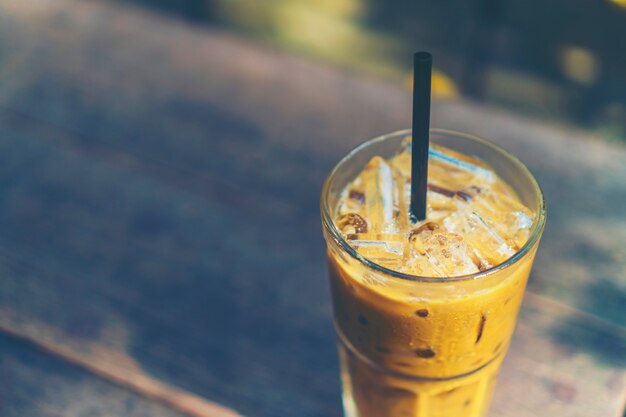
(159, 192)
(111, 365)
(241, 121)
(553, 347)
(562, 363)
(34, 384)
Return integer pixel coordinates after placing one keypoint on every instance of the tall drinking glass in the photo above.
(413, 346)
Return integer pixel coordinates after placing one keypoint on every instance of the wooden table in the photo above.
(160, 243)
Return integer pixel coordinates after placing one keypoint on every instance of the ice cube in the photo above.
(448, 156)
(450, 170)
(475, 220)
(350, 223)
(388, 252)
(436, 252)
(402, 163)
(385, 210)
(522, 223)
(450, 253)
(418, 262)
(392, 246)
(507, 216)
(499, 201)
(523, 220)
(484, 239)
(356, 196)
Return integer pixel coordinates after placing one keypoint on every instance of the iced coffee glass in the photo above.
(416, 338)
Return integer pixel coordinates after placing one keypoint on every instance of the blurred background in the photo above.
(561, 61)
(160, 180)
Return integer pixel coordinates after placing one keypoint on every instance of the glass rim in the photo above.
(535, 234)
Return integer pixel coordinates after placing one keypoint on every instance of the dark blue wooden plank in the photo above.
(35, 384)
(193, 280)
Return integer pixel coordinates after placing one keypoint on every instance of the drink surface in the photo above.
(474, 220)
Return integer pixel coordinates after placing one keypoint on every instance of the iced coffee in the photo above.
(424, 311)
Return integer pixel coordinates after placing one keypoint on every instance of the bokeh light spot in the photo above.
(579, 64)
(442, 85)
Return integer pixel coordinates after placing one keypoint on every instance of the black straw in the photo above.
(422, 69)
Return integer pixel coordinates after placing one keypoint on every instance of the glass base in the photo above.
(369, 392)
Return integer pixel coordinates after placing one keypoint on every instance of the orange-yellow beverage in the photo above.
(424, 312)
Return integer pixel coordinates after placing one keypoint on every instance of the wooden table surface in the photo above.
(160, 242)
